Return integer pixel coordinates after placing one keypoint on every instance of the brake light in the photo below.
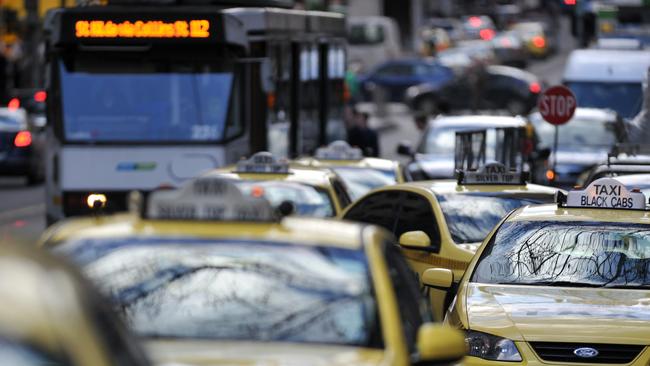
(40, 96)
(486, 34)
(475, 22)
(535, 88)
(23, 139)
(14, 104)
(569, 2)
(539, 41)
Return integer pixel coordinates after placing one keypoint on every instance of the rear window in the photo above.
(365, 34)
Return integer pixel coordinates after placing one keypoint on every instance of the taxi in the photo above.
(210, 274)
(563, 283)
(358, 173)
(313, 192)
(441, 223)
(50, 316)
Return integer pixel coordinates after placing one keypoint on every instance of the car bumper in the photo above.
(15, 164)
(530, 358)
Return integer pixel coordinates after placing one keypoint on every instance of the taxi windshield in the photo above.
(586, 254)
(470, 217)
(308, 200)
(360, 181)
(241, 290)
(146, 103)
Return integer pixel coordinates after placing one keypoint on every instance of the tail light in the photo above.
(14, 104)
(486, 34)
(534, 87)
(539, 41)
(569, 2)
(23, 139)
(40, 96)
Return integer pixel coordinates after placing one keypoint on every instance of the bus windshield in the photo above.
(141, 104)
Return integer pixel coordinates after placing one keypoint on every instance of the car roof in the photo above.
(450, 186)
(298, 174)
(477, 121)
(551, 212)
(635, 180)
(373, 163)
(512, 71)
(595, 114)
(304, 231)
(607, 65)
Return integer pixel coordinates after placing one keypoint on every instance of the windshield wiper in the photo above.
(553, 284)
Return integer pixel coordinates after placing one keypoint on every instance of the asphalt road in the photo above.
(22, 208)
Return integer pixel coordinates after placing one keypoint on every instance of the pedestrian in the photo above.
(362, 136)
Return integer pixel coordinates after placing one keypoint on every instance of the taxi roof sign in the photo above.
(263, 162)
(339, 150)
(208, 198)
(606, 193)
(471, 157)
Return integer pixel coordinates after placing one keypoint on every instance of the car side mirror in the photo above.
(439, 278)
(415, 239)
(404, 148)
(439, 343)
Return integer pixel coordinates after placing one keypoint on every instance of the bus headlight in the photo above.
(96, 200)
(490, 347)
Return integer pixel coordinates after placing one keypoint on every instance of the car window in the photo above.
(416, 214)
(580, 133)
(360, 181)
(246, 290)
(413, 308)
(308, 200)
(379, 209)
(599, 254)
(396, 70)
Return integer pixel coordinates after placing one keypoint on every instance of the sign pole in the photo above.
(557, 128)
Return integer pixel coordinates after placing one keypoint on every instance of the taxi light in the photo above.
(40, 96)
(475, 22)
(535, 87)
(486, 34)
(96, 200)
(635, 190)
(550, 175)
(23, 139)
(539, 41)
(14, 104)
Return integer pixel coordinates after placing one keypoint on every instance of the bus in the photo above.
(144, 95)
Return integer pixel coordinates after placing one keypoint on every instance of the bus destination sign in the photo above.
(195, 28)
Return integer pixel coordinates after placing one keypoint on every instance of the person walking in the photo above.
(362, 136)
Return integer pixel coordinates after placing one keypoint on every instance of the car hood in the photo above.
(204, 353)
(435, 166)
(532, 313)
(580, 158)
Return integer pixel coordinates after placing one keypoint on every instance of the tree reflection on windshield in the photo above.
(568, 254)
(234, 290)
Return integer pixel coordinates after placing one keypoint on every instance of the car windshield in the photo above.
(360, 181)
(567, 253)
(442, 141)
(365, 34)
(579, 133)
(307, 200)
(470, 217)
(143, 103)
(233, 290)
(624, 98)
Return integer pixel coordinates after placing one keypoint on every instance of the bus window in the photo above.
(140, 103)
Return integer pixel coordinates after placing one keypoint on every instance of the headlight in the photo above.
(490, 347)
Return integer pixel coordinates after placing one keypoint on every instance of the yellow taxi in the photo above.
(313, 192)
(50, 316)
(441, 223)
(358, 173)
(564, 283)
(210, 274)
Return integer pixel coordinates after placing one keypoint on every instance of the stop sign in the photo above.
(557, 105)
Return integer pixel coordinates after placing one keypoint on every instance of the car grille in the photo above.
(607, 353)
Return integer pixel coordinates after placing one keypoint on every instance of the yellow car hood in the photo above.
(535, 313)
(204, 353)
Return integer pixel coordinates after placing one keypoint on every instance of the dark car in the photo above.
(583, 142)
(495, 87)
(21, 146)
(434, 156)
(394, 77)
(510, 50)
